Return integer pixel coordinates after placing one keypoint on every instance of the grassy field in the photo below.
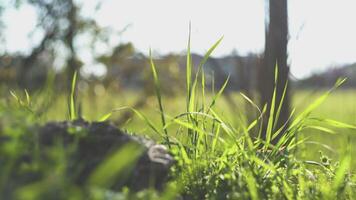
(340, 105)
(214, 140)
(209, 175)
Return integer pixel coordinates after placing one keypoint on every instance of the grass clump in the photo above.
(220, 161)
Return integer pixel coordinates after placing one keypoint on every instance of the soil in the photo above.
(94, 142)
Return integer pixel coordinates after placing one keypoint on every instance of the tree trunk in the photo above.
(275, 55)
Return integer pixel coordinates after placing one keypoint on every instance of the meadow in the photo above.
(340, 105)
(214, 139)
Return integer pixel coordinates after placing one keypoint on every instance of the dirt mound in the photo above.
(101, 139)
(92, 143)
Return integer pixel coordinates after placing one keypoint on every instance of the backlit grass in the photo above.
(217, 145)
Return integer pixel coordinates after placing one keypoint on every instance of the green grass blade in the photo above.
(72, 103)
(323, 129)
(159, 98)
(343, 169)
(209, 52)
(303, 115)
(282, 128)
(105, 117)
(217, 96)
(200, 69)
(13, 94)
(260, 118)
(28, 98)
(271, 117)
(115, 166)
(203, 90)
(203, 61)
(216, 137)
(335, 123)
(280, 105)
(188, 71)
(251, 185)
(228, 130)
(140, 115)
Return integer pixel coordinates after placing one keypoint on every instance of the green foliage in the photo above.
(216, 159)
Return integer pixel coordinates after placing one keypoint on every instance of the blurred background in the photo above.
(43, 42)
(109, 40)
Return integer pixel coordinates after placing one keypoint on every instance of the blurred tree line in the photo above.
(62, 23)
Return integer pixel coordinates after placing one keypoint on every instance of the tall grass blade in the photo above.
(203, 90)
(216, 137)
(280, 105)
(188, 71)
(271, 117)
(200, 67)
(159, 98)
(72, 103)
(217, 95)
(28, 98)
(303, 115)
(342, 170)
(334, 123)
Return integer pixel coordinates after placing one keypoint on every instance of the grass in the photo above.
(218, 149)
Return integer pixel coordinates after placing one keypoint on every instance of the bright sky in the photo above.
(322, 32)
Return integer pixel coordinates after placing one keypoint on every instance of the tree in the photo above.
(275, 55)
(61, 23)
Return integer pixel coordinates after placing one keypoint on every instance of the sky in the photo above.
(322, 32)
